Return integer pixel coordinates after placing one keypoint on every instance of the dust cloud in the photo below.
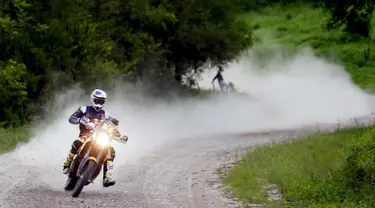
(283, 94)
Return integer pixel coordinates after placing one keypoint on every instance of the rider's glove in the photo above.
(124, 138)
(115, 122)
(90, 126)
(86, 121)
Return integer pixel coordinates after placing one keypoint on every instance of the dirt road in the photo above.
(182, 174)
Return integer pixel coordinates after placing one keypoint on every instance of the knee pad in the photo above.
(111, 153)
(76, 144)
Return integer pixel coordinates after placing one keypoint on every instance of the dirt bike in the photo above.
(88, 162)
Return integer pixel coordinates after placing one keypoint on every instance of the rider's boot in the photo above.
(67, 163)
(107, 174)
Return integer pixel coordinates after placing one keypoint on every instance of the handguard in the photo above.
(122, 139)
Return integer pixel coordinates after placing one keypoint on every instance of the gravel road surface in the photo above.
(182, 174)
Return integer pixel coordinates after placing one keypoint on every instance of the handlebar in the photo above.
(93, 123)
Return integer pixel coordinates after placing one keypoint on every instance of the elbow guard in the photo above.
(74, 120)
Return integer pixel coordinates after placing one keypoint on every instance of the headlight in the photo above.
(102, 139)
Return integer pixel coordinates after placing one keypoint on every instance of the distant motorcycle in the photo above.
(87, 164)
(230, 89)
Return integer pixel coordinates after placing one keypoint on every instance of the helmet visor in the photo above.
(99, 101)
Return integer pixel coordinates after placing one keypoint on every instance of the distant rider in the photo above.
(82, 117)
(220, 79)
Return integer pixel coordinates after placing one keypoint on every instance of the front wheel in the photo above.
(83, 179)
(70, 184)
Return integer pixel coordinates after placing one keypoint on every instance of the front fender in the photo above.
(84, 160)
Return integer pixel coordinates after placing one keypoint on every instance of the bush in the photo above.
(360, 167)
(13, 92)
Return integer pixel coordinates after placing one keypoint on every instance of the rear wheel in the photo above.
(82, 180)
(72, 178)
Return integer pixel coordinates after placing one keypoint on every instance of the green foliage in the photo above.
(290, 27)
(251, 5)
(334, 170)
(360, 168)
(51, 44)
(314, 171)
(11, 137)
(204, 31)
(355, 16)
(13, 91)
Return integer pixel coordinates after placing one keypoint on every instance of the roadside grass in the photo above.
(9, 138)
(316, 171)
(313, 171)
(294, 26)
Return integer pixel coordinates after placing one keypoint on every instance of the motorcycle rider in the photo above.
(220, 79)
(82, 117)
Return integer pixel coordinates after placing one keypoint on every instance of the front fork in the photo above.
(98, 158)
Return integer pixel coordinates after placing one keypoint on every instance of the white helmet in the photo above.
(98, 98)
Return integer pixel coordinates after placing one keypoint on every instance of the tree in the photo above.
(13, 92)
(355, 16)
(50, 44)
(205, 30)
